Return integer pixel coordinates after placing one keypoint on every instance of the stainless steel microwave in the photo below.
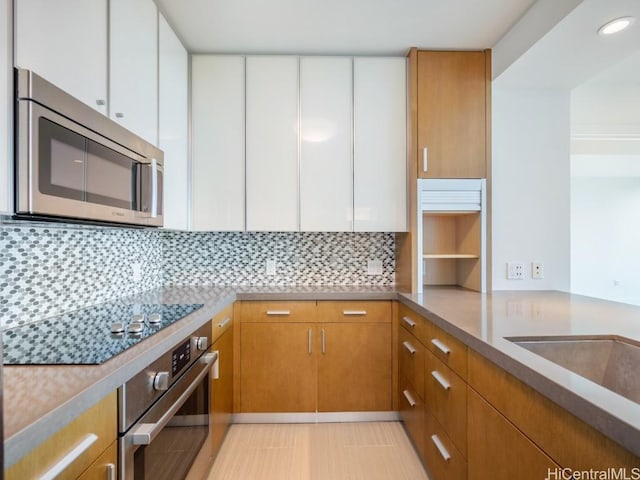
(74, 163)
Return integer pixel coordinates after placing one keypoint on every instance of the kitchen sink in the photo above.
(610, 361)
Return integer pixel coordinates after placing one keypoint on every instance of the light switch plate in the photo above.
(374, 267)
(271, 267)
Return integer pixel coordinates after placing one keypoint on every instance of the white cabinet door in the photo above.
(326, 166)
(380, 145)
(133, 66)
(66, 43)
(217, 160)
(272, 143)
(173, 117)
(6, 110)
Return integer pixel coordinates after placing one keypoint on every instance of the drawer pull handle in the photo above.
(224, 322)
(278, 313)
(310, 340)
(354, 312)
(441, 448)
(70, 457)
(324, 341)
(425, 159)
(409, 398)
(410, 348)
(409, 322)
(111, 471)
(441, 346)
(441, 380)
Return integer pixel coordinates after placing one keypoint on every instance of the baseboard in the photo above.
(315, 417)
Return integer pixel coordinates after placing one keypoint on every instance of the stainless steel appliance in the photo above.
(74, 163)
(164, 412)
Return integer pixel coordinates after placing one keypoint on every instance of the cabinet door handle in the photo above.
(354, 312)
(425, 159)
(441, 380)
(310, 339)
(441, 346)
(119, 115)
(100, 102)
(441, 448)
(224, 322)
(278, 313)
(409, 322)
(410, 348)
(324, 342)
(111, 471)
(70, 457)
(409, 398)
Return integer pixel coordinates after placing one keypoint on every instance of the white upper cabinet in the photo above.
(65, 42)
(6, 111)
(326, 165)
(173, 135)
(217, 161)
(133, 66)
(380, 144)
(272, 143)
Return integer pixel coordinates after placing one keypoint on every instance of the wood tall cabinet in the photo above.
(449, 137)
(315, 357)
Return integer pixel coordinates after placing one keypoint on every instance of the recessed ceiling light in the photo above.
(616, 25)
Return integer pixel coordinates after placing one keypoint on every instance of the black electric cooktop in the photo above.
(89, 336)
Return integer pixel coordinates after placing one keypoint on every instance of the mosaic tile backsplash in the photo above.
(50, 270)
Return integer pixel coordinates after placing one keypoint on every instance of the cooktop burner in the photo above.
(89, 336)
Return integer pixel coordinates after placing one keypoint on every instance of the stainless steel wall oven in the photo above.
(164, 412)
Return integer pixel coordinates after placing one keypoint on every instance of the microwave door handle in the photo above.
(154, 188)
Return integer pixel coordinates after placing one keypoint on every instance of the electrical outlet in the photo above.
(537, 270)
(515, 270)
(136, 272)
(271, 267)
(374, 267)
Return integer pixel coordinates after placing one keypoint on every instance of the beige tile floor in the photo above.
(324, 451)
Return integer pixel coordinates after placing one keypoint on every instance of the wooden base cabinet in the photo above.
(315, 357)
(498, 450)
(96, 429)
(221, 398)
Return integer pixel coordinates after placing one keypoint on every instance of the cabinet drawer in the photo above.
(295, 312)
(89, 435)
(370, 312)
(451, 351)
(412, 322)
(221, 322)
(446, 395)
(411, 360)
(105, 467)
(444, 460)
(411, 408)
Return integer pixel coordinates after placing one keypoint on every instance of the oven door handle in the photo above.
(145, 433)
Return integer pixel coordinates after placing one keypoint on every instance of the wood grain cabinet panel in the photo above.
(446, 400)
(411, 360)
(443, 459)
(564, 437)
(448, 349)
(278, 367)
(452, 107)
(354, 367)
(278, 311)
(98, 421)
(412, 322)
(498, 450)
(221, 394)
(411, 408)
(103, 466)
(367, 312)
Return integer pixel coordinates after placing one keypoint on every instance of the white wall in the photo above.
(530, 186)
(605, 234)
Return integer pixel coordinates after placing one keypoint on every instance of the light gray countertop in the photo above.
(39, 400)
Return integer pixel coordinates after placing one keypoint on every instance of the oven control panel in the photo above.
(180, 357)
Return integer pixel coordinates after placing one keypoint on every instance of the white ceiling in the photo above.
(386, 27)
(572, 52)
